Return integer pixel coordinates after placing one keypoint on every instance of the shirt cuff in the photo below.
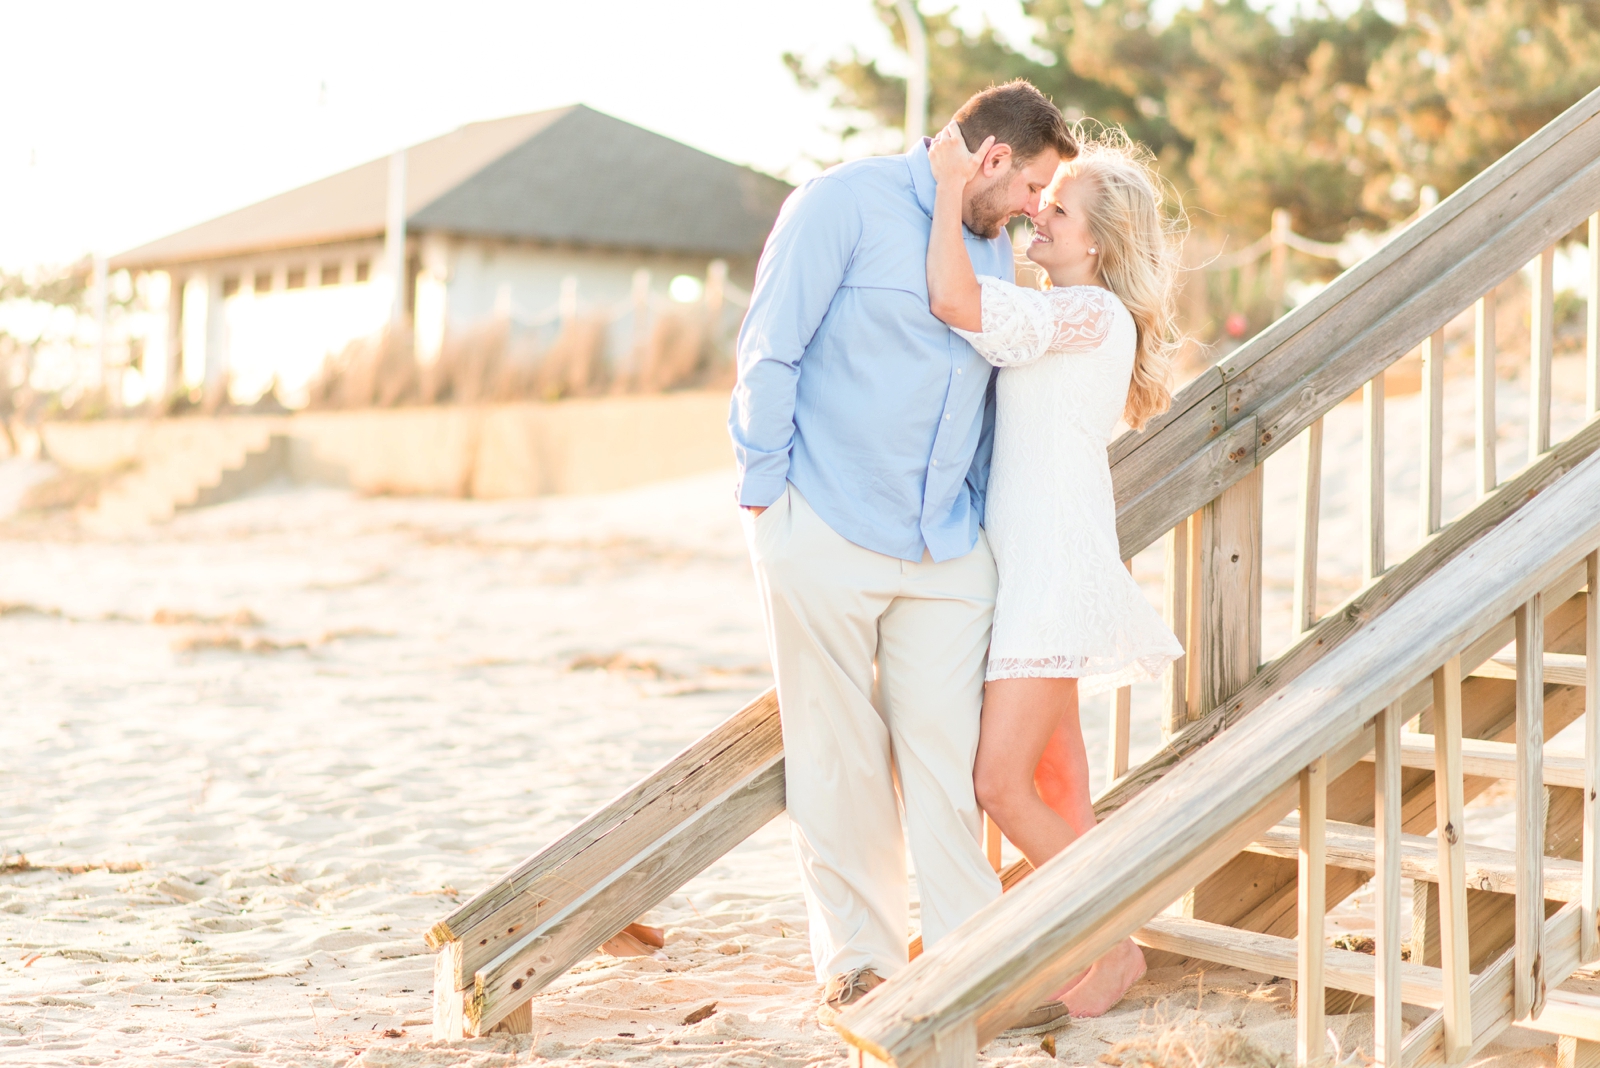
(760, 491)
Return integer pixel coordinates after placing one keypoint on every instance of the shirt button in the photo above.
(936, 463)
(947, 416)
(959, 370)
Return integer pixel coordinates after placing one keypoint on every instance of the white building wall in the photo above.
(526, 282)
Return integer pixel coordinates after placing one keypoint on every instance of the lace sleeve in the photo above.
(1021, 325)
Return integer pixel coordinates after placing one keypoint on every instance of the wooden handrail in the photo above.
(1233, 416)
(1118, 876)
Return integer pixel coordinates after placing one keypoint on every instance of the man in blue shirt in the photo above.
(862, 426)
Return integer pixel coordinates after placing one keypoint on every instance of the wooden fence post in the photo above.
(1230, 591)
(1309, 990)
(1528, 978)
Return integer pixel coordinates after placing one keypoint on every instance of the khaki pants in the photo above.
(879, 666)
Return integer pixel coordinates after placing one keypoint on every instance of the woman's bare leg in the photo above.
(1032, 778)
(1020, 716)
(1062, 774)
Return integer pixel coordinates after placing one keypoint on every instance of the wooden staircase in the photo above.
(1194, 854)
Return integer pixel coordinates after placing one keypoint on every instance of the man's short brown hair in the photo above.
(1017, 114)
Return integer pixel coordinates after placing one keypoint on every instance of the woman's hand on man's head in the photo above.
(951, 161)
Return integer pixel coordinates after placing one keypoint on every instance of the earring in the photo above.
(1094, 251)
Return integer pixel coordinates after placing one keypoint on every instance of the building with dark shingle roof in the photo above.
(524, 217)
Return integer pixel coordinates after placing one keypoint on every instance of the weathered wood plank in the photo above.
(1572, 1015)
(1141, 459)
(638, 883)
(1540, 348)
(1372, 499)
(1310, 992)
(1486, 434)
(1561, 669)
(759, 717)
(1591, 741)
(1438, 284)
(1494, 760)
(1431, 505)
(751, 742)
(1529, 981)
(1352, 846)
(1230, 591)
(1121, 728)
(1196, 482)
(1312, 358)
(1305, 548)
(448, 1002)
(1591, 377)
(1175, 606)
(1420, 254)
(1196, 620)
(1492, 1005)
(1388, 1027)
(1338, 626)
(1054, 923)
(1276, 955)
(1449, 809)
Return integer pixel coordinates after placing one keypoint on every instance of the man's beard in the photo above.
(989, 212)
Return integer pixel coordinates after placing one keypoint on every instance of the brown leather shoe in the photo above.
(1040, 1018)
(845, 990)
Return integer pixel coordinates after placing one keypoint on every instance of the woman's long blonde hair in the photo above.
(1138, 228)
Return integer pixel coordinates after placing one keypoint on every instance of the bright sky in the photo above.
(125, 122)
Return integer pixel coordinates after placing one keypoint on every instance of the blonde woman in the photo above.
(1069, 620)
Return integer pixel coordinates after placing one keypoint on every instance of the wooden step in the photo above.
(1351, 847)
(1343, 969)
(1492, 760)
(1560, 669)
(1566, 1012)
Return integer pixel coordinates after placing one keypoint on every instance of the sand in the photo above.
(253, 754)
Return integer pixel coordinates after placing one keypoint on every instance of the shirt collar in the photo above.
(922, 183)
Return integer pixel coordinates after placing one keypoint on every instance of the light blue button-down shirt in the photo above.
(848, 386)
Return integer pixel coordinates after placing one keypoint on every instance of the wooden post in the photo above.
(1230, 591)
(1197, 619)
(1121, 724)
(1386, 837)
(1541, 343)
(1309, 992)
(1372, 403)
(1577, 1053)
(394, 238)
(1279, 261)
(1590, 948)
(1177, 617)
(1432, 434)
(1591, 378)
(1528, 978)
(1449, 807)
(1305, 571)
(1121, 721)
(1483, 367)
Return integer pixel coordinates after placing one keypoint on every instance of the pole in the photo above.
(917, 80)
(1280, 258)
(394, 238)
(101, 299)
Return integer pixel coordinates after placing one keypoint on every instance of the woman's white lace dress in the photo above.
(1067, 607)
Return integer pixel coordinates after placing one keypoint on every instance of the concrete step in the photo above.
(181, 478)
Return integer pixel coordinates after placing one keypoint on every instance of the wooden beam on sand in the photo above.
(565, 901)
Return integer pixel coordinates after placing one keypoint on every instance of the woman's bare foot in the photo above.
(1107, 980)
(1061, 995)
